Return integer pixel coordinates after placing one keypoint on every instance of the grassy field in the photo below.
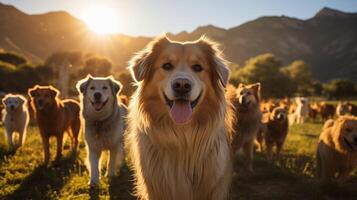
(23, 177)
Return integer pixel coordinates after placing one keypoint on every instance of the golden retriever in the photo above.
(247, 121)
(104, 123)
(337, 149)
(177, 135)
(15, 118)
(54, 117)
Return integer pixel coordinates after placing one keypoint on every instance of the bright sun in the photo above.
(102, 19)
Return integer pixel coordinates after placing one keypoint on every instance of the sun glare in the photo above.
(102, 19)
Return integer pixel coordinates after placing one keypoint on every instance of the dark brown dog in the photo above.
(326, 110)
(352, 109)
(54, 117)
(276, 131)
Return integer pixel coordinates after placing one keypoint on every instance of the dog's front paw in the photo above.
(93, 184)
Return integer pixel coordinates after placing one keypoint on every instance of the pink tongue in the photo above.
(97, 106)
(181, 111)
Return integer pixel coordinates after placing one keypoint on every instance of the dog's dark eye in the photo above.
(167, 66)
(92, 88)
(197, 68)
(105, 87)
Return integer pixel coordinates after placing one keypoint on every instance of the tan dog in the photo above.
(337, 149)
(342, 109)
(247, 121)
(276, 131)
(104, 124)
(178, 138)
(15, 118)
(54, 117)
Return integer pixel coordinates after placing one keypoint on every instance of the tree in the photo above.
(12, 58)
(301, 75)
(265, 69)
(96, 66)
(339, 88)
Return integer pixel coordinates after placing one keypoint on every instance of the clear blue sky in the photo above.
(152, 17)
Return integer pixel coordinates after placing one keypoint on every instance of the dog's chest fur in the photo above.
(192, 172)
(105, 134)
(15, 121)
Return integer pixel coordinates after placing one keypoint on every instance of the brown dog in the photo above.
(276, 131)
(54, 117)
(247, 121)
(352, 109)
(326, 110)
(337, 149)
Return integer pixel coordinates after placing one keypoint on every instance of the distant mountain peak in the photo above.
(329, 12)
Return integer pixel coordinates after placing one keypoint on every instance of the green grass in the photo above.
(23, 177)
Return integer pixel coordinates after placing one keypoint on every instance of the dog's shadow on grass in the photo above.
(122, 187)
(45, 182)
(5, 153)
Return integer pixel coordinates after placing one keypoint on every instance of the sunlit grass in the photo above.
(23, 177)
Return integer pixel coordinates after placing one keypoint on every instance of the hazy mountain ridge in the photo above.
(328, 41)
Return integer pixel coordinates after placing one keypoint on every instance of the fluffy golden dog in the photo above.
(247, 121)
(177, 136)
(337, 149)
(54, 117)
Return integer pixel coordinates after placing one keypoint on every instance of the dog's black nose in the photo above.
(12, 107)
(181, 86)
(97, 96)
(40, 102)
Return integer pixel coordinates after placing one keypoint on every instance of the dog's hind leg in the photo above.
(75, 128)
(116, 156)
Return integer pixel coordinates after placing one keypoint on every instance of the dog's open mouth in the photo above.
(98, 105)
(348, 144)
(181, 109)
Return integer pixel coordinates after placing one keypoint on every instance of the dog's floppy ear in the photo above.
(217, 60)
(4, 100)
(142, 62)
(82, 84)
(53, 91)
(33, 91)
(115, 85)
(256, 88)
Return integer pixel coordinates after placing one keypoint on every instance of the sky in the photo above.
(153, 17)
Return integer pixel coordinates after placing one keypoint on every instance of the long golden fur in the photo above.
(247, 122)
(337, 149)
(54, 117)
(187, 161)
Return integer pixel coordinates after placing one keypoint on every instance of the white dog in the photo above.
(104, 123)
(302, 110)
(15, 118)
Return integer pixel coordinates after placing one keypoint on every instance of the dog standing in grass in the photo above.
(276, 131)
(104, 123)
(15, 118)
(337, 149)
(54, 117)
(247, 121)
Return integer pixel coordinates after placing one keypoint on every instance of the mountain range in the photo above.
(327, 41)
